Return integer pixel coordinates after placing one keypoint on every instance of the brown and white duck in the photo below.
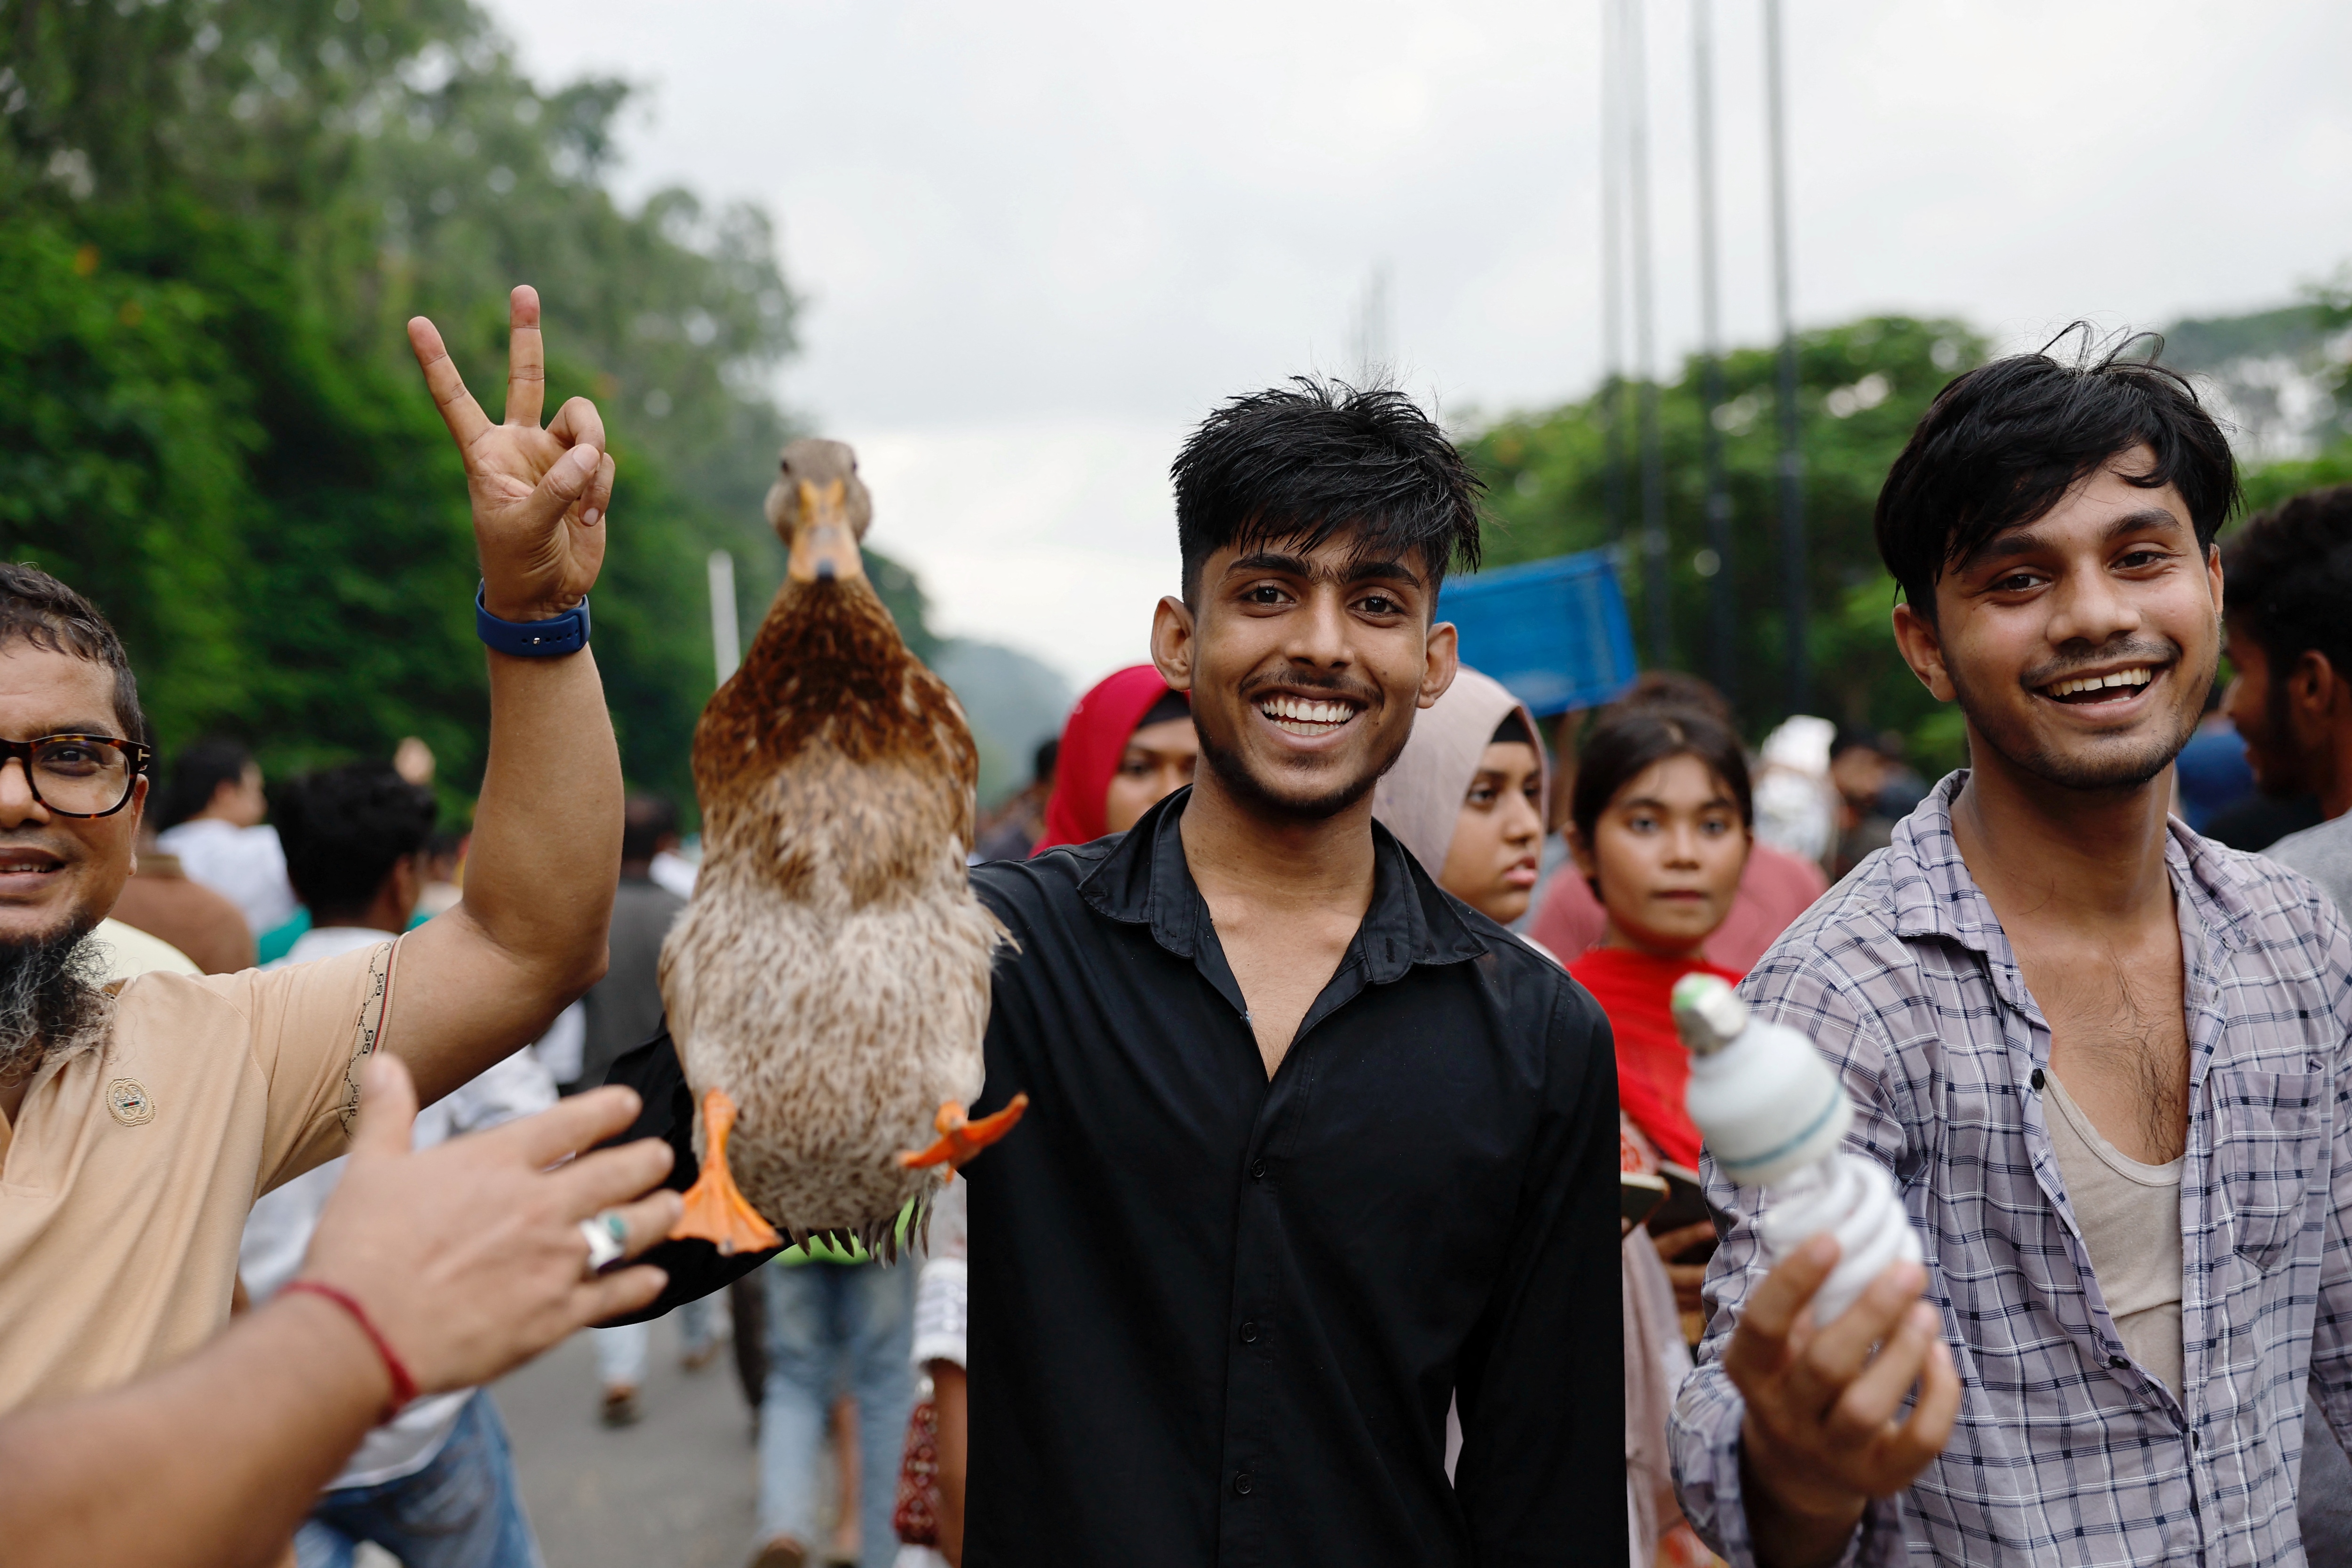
(828, 983)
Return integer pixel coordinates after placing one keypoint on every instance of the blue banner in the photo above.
(1554, 632)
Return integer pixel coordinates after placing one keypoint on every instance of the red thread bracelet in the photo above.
(403, 1387)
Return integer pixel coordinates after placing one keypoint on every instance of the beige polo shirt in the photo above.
(127, 1176)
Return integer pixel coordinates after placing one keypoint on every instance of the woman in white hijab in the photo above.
(1467, 799)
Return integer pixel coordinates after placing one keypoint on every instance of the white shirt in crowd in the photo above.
(943, 1311)
(246, 865)
(278, 1233)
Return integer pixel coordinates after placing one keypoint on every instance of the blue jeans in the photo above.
(462, 1511)
(834, 1327)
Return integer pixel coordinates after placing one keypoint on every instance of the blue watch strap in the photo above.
(552, 638)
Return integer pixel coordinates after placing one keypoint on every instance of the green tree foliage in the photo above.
(1862, 387)
(214, 220)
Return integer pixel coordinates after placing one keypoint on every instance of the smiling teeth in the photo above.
(1303, 717)
(2140, 676)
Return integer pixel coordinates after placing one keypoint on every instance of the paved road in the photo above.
(676, 1490)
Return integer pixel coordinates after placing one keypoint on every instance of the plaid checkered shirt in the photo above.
(2067, 1451)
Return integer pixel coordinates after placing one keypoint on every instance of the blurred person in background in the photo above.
(434, 1485)
(161, 899)
(1467, 797)
(2288, 576)
(211, 817)
(1775, 887)
(623, 1010)
(1876, 790)
(620, 1013)
(1022, 819)
(1662, 824)
(2211, 775)
(444, 868)
(929, 1515)
(2289, 572)
(836, 1319)
(1127, 744)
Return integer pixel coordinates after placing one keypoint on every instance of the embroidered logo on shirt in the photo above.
(128, 1099)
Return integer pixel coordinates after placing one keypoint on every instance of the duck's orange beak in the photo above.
(825, 545)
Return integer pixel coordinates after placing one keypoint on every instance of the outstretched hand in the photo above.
(539, 494)
(1820, 1437)
(469, 1255)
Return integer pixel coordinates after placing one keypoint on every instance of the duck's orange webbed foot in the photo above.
(961, 1140)
(716, 1210)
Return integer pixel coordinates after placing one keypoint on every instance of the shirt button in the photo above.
(2118, 1363)
(2037, 1080)
(1257, 1170)
(1249, 1333)
(1241, 1484)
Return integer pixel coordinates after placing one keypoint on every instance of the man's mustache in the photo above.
(1361, 691)
(2128, 651)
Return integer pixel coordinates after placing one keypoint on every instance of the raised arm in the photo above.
(485, 977)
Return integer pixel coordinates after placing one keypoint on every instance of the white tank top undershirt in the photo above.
(2130, 1218)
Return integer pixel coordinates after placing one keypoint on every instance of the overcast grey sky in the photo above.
(1036, 240)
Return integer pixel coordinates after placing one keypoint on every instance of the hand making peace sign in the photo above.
(539, 494)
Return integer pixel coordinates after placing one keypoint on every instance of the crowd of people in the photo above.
(1332, 970)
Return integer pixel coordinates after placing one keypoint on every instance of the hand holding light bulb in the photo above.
(1835, 1340)
(1774, 1115)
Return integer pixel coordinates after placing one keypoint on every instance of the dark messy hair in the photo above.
(1629, 741)
(344, 829)
(197, 772)
(646, 821)
(2287, 578)
(1315, 458)
(34, 608)
(2001, 445)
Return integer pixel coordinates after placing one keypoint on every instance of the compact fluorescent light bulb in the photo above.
(1773, 1115)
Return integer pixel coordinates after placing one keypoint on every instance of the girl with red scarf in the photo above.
(1129, 743)
(1660, 824)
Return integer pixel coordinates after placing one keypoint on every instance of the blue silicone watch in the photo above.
(552, 638)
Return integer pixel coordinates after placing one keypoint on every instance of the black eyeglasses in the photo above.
(80, 775)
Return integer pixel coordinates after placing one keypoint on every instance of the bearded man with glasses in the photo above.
(139, 1122)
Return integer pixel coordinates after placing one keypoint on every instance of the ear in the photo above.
(1922, 646)
(2313, 687)
(1443, 662)
(1174, 641)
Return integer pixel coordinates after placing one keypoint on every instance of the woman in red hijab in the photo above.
(1129, 743)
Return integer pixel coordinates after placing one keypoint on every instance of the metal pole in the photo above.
(1725, 657)
(1612, 283)
(726, 640)
(1645, 367)
(1793, 498)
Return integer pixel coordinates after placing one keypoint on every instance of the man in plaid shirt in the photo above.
(2066, 1022)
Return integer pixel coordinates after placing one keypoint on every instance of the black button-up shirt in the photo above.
(1217, 1318)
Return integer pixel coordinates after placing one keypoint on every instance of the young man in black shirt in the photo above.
(1310, 1146)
